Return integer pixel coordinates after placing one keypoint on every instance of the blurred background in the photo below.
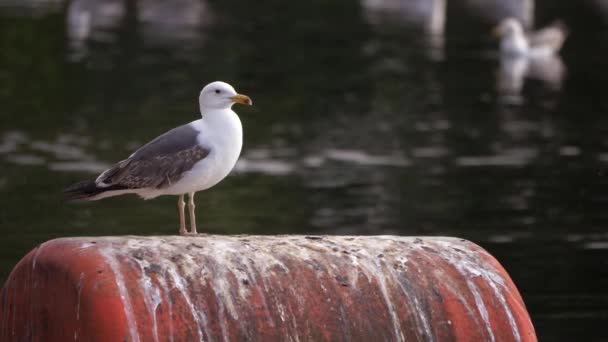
(370, 117)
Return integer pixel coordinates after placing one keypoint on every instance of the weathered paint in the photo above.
(261, 288)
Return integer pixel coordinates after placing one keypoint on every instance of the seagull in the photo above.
(542, 43)
(184, 160)
(513, 72)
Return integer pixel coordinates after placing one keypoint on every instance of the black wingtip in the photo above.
(81, 191)
(87, 191)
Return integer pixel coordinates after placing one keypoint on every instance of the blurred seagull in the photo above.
(514, 70)
(186, 159)
(542, 43)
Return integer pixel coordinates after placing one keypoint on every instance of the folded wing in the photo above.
(158, 164)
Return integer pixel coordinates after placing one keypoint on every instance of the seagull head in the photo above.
(508, 27)
(221, 95)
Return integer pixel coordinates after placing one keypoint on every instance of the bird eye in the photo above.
(217, 91)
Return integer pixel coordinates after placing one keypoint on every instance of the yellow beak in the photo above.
(242, 99)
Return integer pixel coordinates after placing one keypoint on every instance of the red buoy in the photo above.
(261, 288)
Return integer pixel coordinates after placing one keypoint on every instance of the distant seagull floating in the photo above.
(186, 159)
(542, 43)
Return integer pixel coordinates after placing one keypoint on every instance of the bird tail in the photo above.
(87, 191)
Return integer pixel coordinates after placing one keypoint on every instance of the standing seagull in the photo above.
(186, 159)
(542, 43)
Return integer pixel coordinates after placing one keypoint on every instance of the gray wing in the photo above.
(552, 36)
(159, 163)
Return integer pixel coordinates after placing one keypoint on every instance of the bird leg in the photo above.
(182, 219)
(191, 207)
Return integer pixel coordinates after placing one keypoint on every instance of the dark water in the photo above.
(364, 123)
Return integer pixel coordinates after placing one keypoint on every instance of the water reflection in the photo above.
(31, 8)
(602, 5)
(92, 20)
(67, 153)
(175, 22)
(511, 157)
(596, 245)
(159, 23)
(11, 141)
(25, 159)
(264, 166)
(426, 15)
(272, 163)
(357, 128)
(493, 11)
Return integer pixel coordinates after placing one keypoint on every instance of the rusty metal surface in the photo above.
(261, 288)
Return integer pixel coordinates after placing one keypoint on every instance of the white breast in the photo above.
(515, 45)
(222, 134)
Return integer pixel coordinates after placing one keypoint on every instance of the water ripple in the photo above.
(512, 157)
